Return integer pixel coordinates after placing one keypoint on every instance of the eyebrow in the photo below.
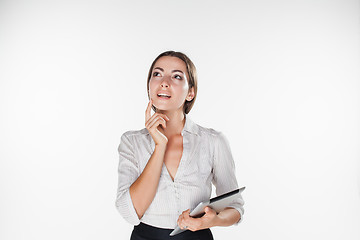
(172, 70)
(178, 71)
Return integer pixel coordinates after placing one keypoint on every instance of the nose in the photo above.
(164, 83)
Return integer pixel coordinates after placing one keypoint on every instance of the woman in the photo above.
(169, 166)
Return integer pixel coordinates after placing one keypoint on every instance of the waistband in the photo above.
(147, 232)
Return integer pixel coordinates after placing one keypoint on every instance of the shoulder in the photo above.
(214, 136)
(208, 132)
(130, 134)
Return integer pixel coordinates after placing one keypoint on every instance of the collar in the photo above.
(189, 127)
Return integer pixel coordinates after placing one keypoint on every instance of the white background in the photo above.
(279, 78)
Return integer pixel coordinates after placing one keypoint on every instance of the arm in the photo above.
(227, 217)
(136, 191)
(143, 190)
(224, 173)
(224, 180)
(128, 172)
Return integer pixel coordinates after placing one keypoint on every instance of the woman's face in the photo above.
(169, 77)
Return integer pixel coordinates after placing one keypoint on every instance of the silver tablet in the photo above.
(218, 203)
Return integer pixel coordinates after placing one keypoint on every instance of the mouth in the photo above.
(163, 96)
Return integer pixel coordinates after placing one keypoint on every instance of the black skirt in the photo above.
(147, 232)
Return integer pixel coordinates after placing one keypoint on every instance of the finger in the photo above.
(188, 222)
(187, 218)
(209, 210)
(157, 121)
(153, 119)
(193, 224)
(154, 116)
(186, 211)
(148, 111)
(166, 117)
(162, 115)
(179, 221)
(184, 226)
(191, 228)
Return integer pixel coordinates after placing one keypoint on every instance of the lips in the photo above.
(163, 95)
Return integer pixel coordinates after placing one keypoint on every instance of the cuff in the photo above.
(126, 208)
(240, 209)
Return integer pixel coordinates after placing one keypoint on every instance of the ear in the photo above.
(190, 94)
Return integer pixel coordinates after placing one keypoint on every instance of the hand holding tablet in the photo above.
(218, 204)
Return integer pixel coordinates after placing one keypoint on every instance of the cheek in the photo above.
(181, 86)
(180, 91)
(151, 87)
(185, 89)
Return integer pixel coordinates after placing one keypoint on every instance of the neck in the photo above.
(176, 123)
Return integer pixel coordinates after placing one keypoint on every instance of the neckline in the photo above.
(180, 163)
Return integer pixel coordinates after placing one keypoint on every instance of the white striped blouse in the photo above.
(206, 159)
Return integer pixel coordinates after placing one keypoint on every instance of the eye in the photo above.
(156, 74)
(178, 77)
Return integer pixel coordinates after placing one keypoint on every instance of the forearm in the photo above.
(143, 190)
(227, 217)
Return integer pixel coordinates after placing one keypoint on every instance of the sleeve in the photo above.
(128, 172)
(224, 178)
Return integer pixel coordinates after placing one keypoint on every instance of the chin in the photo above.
(164, 107)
